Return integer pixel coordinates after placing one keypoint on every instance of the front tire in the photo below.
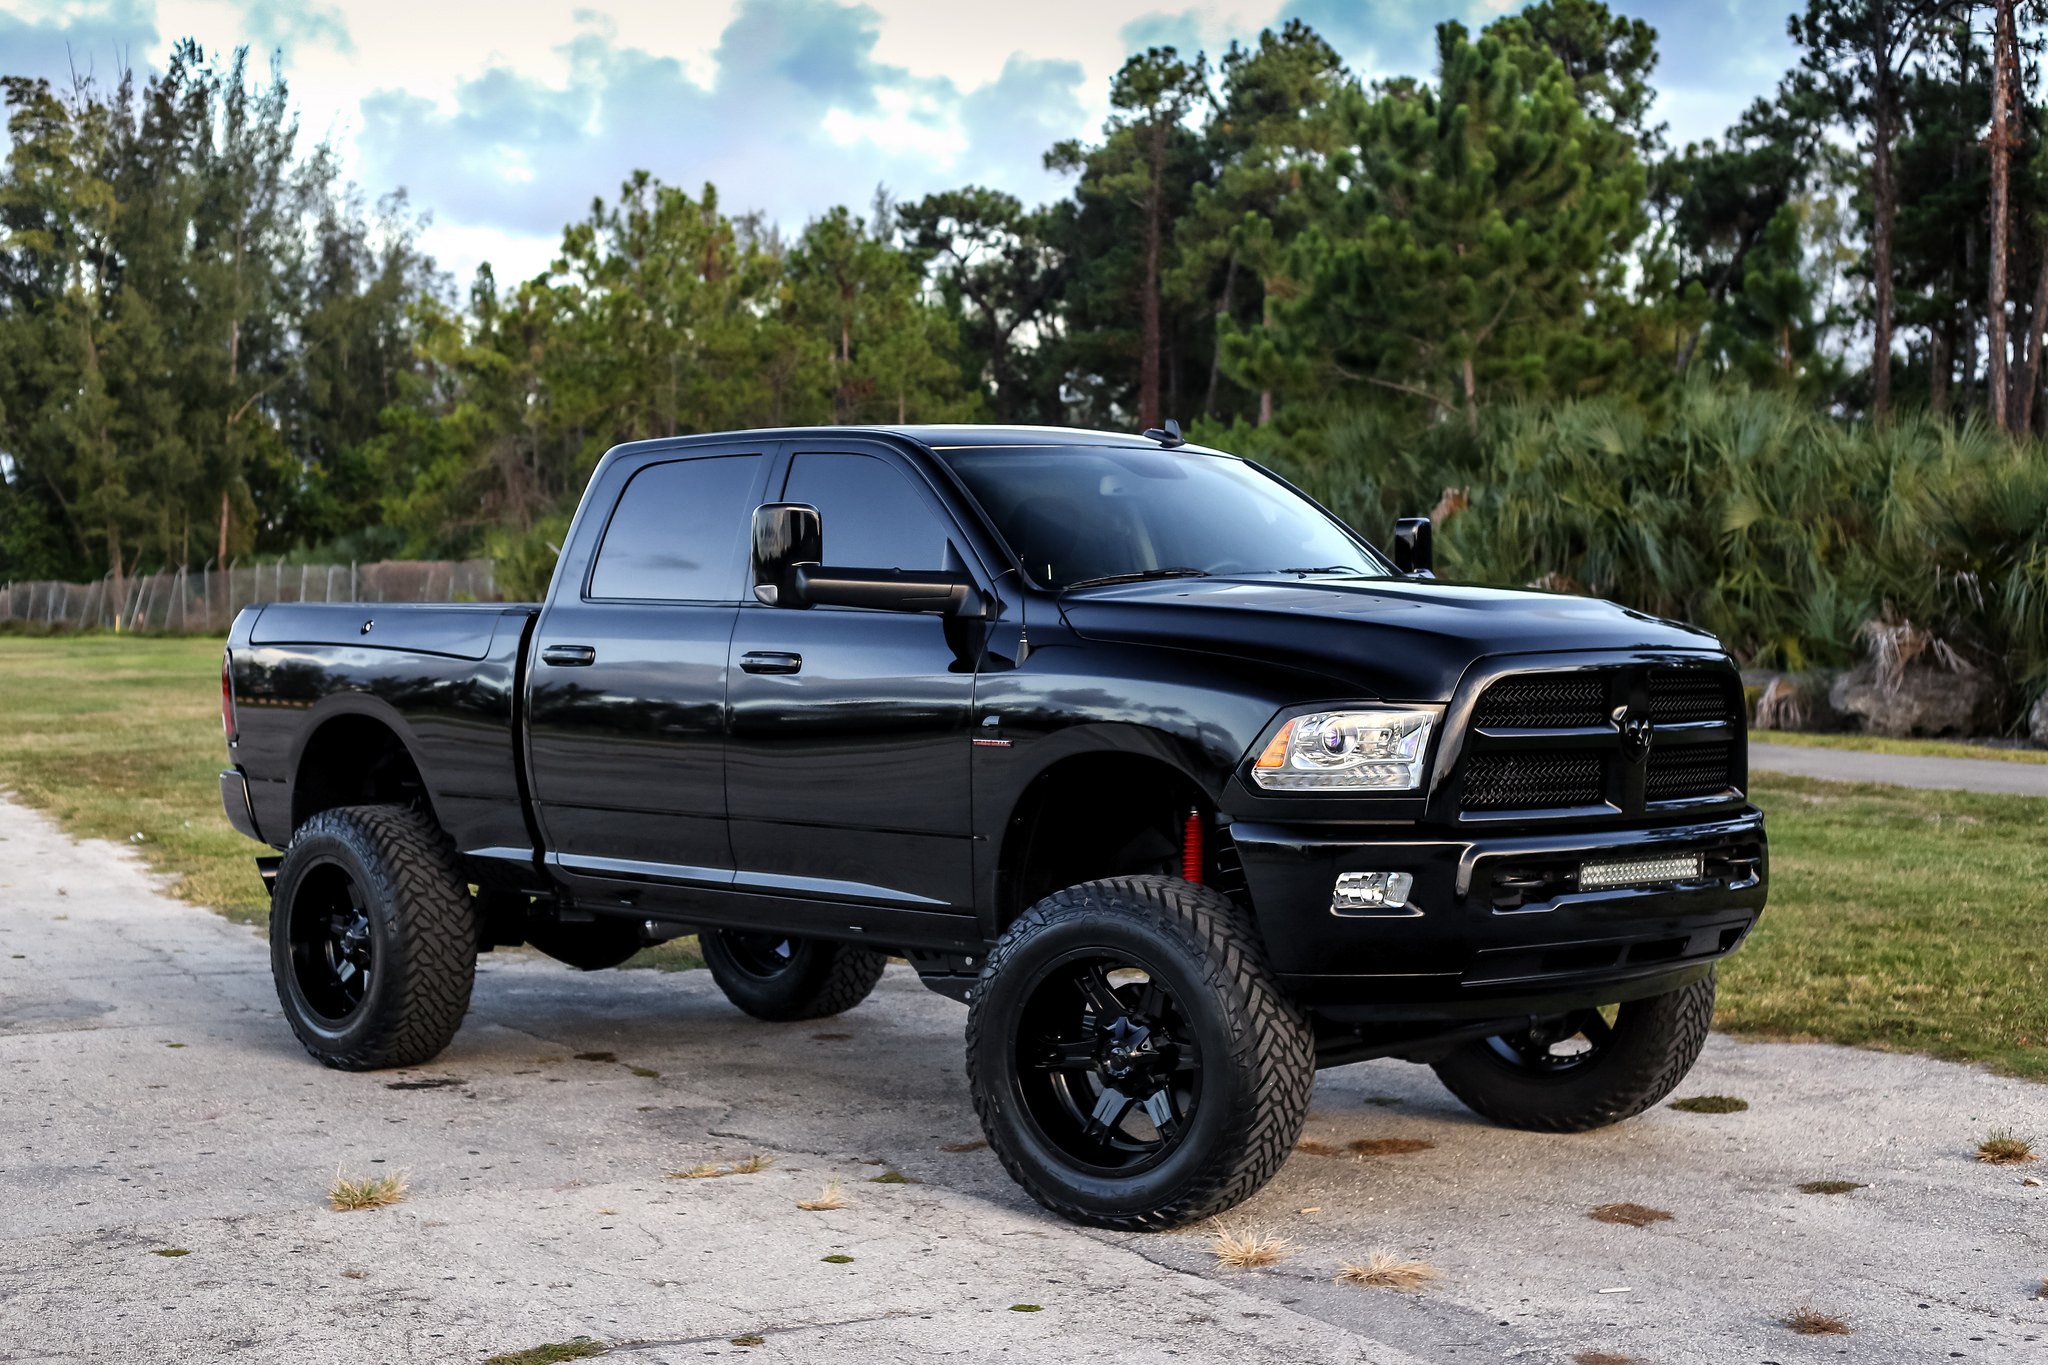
(783, 978)
(373, 937)
(1132, 1059)
(1583, 1070)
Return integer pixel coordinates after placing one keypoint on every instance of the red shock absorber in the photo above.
(1193, 857)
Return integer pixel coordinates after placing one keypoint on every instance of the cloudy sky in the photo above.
(504, 118)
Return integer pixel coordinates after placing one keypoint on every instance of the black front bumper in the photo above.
(1496, 924)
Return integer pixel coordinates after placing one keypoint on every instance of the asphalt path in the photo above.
(1902, 770)
(152, 1100)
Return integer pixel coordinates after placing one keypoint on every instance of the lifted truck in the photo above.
(1181, 785)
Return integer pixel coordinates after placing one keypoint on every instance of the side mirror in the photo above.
(787, 535)
(1414, 550)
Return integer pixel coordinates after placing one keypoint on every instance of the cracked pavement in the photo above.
(152, 1099)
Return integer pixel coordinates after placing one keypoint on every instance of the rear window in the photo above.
(678, 533)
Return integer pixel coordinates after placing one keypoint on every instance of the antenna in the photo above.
(1169, 438)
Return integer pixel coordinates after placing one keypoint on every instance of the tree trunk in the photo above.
(1884, 209)
(2029, 380)
(1148, 358)
(1216, 348)
(223, 555)
(2003, 62)
(1471, 396)
(1940, 363)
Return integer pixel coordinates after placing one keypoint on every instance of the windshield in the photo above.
(1081, 514)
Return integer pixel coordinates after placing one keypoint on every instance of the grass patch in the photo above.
(1830, 1187)
(1383, 1269)
(580, 1348)
(1629, 1215)
(171, 1251)
(349, 1193)
(2005, 1148)
(1027, 1308)
(1811, 1322)
(1602, 1358)
(837, 1258)
(676, 955)
(1249, 1248)
(750, 1339)
(1912, 748)
(892, 1178)
(828, 1199)
(116, 736)
(1907, 920)
(1711, 1104)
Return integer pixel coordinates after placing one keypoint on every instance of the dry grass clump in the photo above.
(1249, 1248)
(2005, 1148)
(1629, 1215)
(1809, 1321)
(551, 1353)
(1390, 1146)
(1603, 1358)
(1711, 1104)
(1830, 1187)
(828, 1199)
(712, 1170)
(1383, 1269)
(350, 1193)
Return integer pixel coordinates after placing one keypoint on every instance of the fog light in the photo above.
(1365, 893)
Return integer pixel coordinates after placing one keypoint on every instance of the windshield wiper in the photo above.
(1141, 576)
(1326, 568)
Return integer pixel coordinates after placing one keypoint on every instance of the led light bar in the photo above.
(1632, 872)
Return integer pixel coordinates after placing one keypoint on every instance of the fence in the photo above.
(204, 601)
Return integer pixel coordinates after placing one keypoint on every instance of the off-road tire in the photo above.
(821, 978)
(424, 929)
(1257, 1053)
(1656, 1041)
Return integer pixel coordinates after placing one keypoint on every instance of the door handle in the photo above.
(568, 656)
(771, 661)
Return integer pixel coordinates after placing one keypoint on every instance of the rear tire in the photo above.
(1530, 1081)
(1132, 1059)
(782, 978)
(372, 937)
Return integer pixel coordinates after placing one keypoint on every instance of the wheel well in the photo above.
(1107, 815)
(355, 761)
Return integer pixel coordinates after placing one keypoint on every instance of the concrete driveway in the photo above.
(151, 1100)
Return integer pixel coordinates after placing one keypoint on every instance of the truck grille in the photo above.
(1687, 772)
(1545, 700)
(1694, 750)
(1532, 781)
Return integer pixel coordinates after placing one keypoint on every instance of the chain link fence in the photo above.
(203, 601)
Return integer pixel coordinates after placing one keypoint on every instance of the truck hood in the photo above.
(1393, 638)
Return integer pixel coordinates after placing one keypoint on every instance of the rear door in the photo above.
(626, 695)
(848, 752)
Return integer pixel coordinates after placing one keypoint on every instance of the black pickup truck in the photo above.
(1179, 783)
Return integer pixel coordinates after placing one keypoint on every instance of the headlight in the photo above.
(1346, 751)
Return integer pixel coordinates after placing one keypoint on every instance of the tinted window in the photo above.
(679, 531)
(1082, 512)
(873, 516)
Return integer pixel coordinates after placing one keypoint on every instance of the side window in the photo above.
(873, 516)
(679, 532)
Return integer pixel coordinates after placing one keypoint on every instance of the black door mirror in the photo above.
(787, 535)
(1414, 552)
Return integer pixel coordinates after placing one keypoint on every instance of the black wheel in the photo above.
(1133, 1062)
(779, 977)
(1586, 1069)
(372, 937)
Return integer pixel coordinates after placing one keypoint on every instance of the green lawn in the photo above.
(1902, 919)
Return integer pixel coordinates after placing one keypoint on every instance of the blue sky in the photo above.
(504, 118)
